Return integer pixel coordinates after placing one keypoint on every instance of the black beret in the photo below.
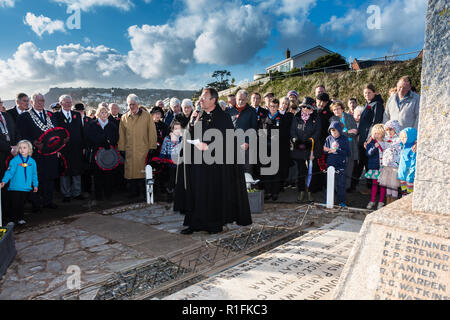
(323, 97)
(79, 106)
(157, 109)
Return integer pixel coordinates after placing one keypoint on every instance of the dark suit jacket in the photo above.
(115, 121)
(261, 116)
(13, 114)
(246, 119)
(73, 151)
(5, 145)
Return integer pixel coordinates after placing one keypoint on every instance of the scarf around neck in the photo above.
(240, 109)
(305, 116)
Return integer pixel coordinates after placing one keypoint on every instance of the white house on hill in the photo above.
(299, 60)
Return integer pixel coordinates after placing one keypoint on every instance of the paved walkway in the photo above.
(106, 242)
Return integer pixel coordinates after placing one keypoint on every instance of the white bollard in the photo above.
(330, 187)
(149, 183)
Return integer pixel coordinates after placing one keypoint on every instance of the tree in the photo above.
(222, 82)
(328, 60)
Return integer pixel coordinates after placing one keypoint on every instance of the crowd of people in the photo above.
(321, 131)
(314, 133)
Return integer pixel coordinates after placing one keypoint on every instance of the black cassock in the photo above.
(216, 194)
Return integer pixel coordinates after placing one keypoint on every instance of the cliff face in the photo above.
(346, 84)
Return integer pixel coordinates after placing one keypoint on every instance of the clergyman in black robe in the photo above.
(217, 193)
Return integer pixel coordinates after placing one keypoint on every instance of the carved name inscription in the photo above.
(413, 267)
(305, 268)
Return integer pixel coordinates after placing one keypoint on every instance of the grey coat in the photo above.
(407, 114)
(350, 124)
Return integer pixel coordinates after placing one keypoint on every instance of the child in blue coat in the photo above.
(337, 148)
(407, 166)
(23, 178)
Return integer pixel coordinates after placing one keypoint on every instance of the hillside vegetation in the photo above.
(346, 84)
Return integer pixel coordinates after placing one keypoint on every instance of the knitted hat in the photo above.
(292, 92)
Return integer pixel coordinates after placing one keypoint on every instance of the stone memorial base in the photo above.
(305, 268)
(401, 255)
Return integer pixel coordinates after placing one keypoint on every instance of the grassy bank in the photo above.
(346, 84)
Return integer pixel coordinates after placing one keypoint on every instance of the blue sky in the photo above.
(179, 43)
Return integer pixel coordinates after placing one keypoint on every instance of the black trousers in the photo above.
(86, 181)
(271, 184)
(137, 186)
(103, 184)
(16, 204)
(302, 174)
(118, 177)
(45, 194)
(358, 169)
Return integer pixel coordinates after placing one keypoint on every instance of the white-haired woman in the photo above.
(183, 118)
(102, 133)
(175, 109)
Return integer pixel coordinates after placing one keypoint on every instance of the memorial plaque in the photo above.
(305, 268)
(403, 266)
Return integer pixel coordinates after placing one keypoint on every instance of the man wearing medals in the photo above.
(70, 183)
(244, 117)
(30, 126)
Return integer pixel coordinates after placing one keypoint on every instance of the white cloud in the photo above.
(352, 22)
(158, 52)
(42, 24)
(205, 32)
(402, 25)
(7, 3)
(68, 65)
(87, 5)
(232, 36)
(295, 7)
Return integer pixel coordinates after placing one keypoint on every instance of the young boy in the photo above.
(338, 149)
